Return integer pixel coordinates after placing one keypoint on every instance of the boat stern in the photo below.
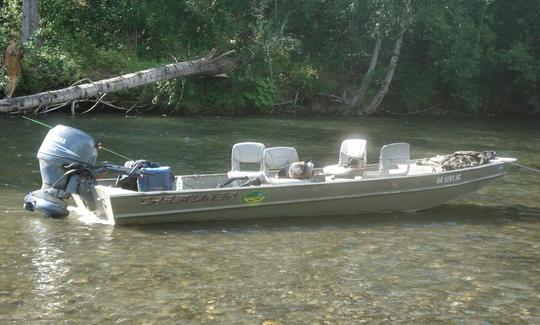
(100, 207)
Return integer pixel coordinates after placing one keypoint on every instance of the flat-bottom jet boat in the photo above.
(276, 184)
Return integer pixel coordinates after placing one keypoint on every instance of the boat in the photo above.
(262, 183)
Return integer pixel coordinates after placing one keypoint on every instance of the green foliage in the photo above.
(49, 60)
(472, 56)
(480, 55)
(262, 92)
(525, 68)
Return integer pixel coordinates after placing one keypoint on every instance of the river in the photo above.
(472, 261)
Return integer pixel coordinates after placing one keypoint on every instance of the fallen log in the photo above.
(210, 65)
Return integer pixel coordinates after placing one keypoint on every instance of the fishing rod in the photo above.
(100, 146)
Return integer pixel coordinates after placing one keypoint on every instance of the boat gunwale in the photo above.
(311, 184)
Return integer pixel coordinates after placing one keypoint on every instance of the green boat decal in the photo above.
(255, 197)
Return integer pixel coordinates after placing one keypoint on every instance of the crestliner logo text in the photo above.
(188, 198)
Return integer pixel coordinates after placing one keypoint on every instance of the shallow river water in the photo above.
(472, 261)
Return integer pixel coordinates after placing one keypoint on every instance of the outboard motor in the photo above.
(66, 157)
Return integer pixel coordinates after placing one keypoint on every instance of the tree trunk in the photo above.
(376, 101)
(30, 20)
(209, 66)
(359, 98)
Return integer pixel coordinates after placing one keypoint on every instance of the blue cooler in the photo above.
(156, 179)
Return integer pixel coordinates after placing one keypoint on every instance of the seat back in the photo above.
(279, 157)
(395, 156)
(247, 153)
(353, 149)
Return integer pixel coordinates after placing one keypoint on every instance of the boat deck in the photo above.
(215, 181)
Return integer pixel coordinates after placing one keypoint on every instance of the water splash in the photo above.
(88, 217)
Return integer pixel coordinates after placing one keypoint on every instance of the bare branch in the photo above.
(95, 105)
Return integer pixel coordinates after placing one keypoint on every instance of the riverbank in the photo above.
(322, 108)
(301, 111)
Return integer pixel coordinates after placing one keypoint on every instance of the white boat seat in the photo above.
(244, 153)
(276, 158)
(394, 160)
(279, 157)
(350, 149)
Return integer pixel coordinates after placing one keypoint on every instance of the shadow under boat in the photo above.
(445, 214)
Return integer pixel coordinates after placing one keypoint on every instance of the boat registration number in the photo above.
(448, 179)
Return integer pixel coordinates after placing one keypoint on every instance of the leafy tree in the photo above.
(478, 56)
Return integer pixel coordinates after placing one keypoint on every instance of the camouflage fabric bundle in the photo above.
(462, 159)
(457, 160)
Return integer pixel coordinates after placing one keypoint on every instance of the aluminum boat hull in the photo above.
(316, 198)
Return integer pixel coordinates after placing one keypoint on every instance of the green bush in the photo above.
(469, 56)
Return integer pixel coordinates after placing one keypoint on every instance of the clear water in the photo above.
(473, 261)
